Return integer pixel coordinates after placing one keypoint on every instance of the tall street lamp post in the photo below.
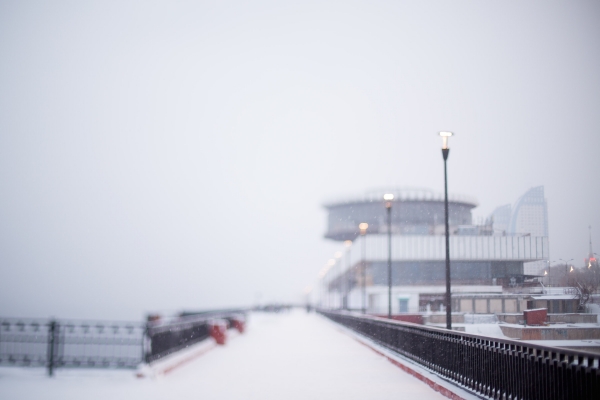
(348, 244)
(330, 264)
(338, 258)
(321, 277)
(567, 269)
(556, 274)
(363, 232)
(445, 152)
(388, 197)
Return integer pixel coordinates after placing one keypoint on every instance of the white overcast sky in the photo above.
(175, 155)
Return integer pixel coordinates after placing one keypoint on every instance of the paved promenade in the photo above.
(281, 356)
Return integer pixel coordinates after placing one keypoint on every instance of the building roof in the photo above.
(403, 194)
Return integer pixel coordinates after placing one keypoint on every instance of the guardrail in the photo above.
(100, 344)
(493, 368)
(165, 337)
(70, 343)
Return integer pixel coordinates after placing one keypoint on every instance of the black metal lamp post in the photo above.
(338, 259)
(346, 275)
(567, 269)
(323, 276)
(445, 152)
(330, 265)
(388, 197)
(363, 232)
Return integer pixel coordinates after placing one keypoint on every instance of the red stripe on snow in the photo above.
(434, 385)
(187, 359)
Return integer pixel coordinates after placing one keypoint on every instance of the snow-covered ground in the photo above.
(281, 356)
(492, 330)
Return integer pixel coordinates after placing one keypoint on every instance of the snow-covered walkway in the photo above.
(281, 356)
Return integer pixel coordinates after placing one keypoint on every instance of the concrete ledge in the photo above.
(549, 332)
(515, 318)
(573, 318)
(440, 318)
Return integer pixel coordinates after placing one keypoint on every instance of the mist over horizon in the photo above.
(159, 157)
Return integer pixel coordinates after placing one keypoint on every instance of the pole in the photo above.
(347, 280)
(341, 283)
(448, 298)
(389, 224)
(51, 347)
(364, 274)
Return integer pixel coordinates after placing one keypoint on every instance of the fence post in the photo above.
(51, 342)
(146, 344)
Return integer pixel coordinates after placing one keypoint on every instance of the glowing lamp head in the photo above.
(338, 254)
(363, 226)
(388, 197)
(571, 270)
(348, 243)
(445, 136)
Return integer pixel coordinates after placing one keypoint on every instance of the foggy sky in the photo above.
(176, 155)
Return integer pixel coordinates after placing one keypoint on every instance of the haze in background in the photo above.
(175, 155)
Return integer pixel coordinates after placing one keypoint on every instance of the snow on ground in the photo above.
(492, 330)
(281, 356)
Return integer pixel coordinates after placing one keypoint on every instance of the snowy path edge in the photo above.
(178, 359)
(437, 383)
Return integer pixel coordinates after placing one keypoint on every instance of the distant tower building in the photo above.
(530, 214)
(501, 219)
(528, 217)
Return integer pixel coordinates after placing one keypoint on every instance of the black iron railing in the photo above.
(164, 337)
(491, 367)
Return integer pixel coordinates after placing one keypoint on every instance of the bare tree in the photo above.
(587, 279)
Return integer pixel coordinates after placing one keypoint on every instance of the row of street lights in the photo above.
(567, 270)
(343, 282)
(388, 198)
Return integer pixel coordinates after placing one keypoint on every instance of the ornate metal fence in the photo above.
(68, 343)
(491, 367)
(101, 344)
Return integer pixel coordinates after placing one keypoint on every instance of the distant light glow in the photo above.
(347, 243)
(331, 262)
(388, 196)
(337, 254)
(363, 227)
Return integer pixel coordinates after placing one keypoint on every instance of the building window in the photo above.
(403, 305)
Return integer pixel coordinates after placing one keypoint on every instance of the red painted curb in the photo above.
(185, 360)
(434, 385)
(188, 359)
(181, 362)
